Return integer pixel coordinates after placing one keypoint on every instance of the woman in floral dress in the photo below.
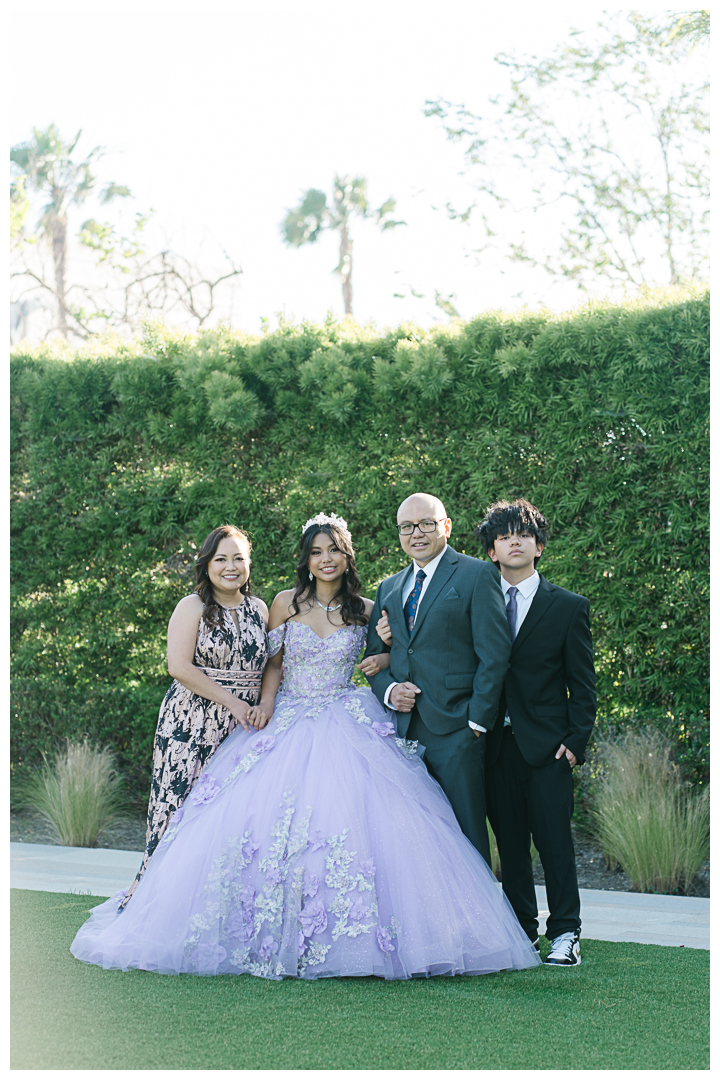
(217, 650)
(320, 846)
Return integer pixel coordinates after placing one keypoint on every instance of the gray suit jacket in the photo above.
(459, 651)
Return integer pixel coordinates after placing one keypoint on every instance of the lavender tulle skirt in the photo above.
(318, 847)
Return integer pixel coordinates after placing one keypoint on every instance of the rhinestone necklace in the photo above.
(335, 608)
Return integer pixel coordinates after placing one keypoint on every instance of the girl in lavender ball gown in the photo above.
(318, 845)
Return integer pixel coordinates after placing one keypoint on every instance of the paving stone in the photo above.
(606, 916)
(642, 917)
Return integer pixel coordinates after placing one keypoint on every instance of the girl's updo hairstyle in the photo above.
(352, 611)
(204, 589)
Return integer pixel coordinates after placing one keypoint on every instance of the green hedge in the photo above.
(45, 711)
(126, 454)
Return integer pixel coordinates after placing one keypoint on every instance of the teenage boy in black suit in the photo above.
(547, 711)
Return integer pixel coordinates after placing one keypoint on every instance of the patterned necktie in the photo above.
(511, 611)
(411, 604)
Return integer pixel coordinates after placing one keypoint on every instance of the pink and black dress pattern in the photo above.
(191, 728)
(317, 847)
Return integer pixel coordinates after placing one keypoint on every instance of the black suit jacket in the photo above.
(549, 691)
(458, 652)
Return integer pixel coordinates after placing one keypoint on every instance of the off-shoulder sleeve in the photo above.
(276, 639)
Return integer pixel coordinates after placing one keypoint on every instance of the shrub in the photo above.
(126, 454)
(46, 711)
(79, 793)
(647, 819)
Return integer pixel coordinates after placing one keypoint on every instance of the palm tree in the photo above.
(45, 162)
(304, 224)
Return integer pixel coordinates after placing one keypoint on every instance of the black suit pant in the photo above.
(457, 761)
(526, 800)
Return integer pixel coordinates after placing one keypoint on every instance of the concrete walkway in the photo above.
(92, 871)
(641, 917)
(606, 916)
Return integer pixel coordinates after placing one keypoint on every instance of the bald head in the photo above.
(420, 544)
(420, 505)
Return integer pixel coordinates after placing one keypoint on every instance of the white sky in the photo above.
(219, 115)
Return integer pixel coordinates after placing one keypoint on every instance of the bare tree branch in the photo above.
(640, 190)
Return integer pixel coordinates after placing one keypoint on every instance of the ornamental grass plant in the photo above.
(648, 820)
(495, 854)
(78, 793)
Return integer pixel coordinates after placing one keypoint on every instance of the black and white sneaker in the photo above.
(565, 950)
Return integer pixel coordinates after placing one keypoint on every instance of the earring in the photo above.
(347, 569)
(310, 576)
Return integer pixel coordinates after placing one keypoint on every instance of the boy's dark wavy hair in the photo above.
(512, 517)
(352, 611)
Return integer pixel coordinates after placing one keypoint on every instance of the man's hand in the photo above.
(402, 696)
(383, 628)
(568, 753)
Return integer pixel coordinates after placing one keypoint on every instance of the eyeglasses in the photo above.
(427, 526)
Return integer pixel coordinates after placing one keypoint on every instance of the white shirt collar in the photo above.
(430, 567)
(526, 587)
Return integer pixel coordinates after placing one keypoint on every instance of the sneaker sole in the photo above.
(562, 963)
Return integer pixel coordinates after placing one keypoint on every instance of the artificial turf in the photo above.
(626, 1007)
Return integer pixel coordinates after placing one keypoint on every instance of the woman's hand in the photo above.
(260, 715)
(371, 665)
(241, 711)
(383, 628)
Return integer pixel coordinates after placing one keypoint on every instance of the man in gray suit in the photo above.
(449, 657)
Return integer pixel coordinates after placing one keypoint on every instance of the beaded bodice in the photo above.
(314, 666)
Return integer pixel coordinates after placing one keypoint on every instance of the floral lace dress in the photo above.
(191, 728)
(317, 847)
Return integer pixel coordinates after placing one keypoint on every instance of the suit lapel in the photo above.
(542, 600)
(446, 568)
(394, 605)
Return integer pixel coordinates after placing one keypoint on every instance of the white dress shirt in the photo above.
(429, 569)
(523, 598)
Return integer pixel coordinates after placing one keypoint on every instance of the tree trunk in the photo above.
(59, 250)
(346, 268)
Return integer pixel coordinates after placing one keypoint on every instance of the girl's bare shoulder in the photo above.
(280, 608)
(283, 600)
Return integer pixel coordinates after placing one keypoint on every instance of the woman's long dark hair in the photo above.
(352, 611)
(211, 611)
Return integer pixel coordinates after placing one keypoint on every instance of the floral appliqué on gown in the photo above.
(317, 847)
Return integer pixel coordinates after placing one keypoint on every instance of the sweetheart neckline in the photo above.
(347, 626)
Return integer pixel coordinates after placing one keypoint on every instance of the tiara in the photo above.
(323, 519)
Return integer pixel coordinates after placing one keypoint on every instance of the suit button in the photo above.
(409, 650)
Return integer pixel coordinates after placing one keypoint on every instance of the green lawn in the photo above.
(626, 1007)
